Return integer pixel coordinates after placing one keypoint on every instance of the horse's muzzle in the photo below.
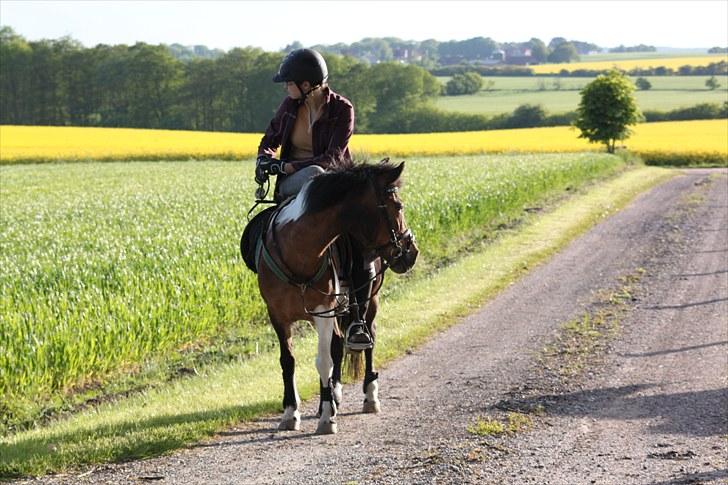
(405, 260)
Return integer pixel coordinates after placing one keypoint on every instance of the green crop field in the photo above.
(109, 266)
(561, 94)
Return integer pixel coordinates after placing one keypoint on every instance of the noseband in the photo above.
(395, 238)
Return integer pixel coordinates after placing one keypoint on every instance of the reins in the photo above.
(260, 197)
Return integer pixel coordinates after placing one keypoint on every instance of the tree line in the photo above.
(60, 82)
(432, 54)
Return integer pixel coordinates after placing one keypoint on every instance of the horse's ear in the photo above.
(384, 161)
(393, 175)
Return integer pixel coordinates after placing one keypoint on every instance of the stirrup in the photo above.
(358, 346)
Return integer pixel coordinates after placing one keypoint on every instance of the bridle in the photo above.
(395, 238)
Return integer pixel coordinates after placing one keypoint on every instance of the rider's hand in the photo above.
(262, 165)
(260, 176)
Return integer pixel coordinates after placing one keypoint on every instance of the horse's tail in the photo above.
(353, 366)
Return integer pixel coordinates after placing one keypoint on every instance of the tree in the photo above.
(398, 89)
(565, 52)
(712, 83)
(467, 83)
(15, 61)
(556, 41)
(607, 109)
(155, 77)
(539, 51)
(643, 84)
(527, 116)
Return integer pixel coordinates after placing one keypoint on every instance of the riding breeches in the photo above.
(292, 184)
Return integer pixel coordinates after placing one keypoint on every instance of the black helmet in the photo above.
(302, 65)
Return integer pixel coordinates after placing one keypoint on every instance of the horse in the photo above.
(298, 280)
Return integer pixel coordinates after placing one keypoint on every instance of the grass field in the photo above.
(106, 266)
(507, 93)
(192, 408)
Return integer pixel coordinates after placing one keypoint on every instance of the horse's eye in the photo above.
(398, 205)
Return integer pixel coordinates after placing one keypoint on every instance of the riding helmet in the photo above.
(303, 65)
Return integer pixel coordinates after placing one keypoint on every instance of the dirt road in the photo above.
(651, 406)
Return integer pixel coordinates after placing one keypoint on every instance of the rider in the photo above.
(312, 128)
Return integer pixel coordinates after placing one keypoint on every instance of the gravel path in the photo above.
(652, 408)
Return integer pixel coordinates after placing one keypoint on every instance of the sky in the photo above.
(272, 25)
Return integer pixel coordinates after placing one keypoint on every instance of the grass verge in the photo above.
(195, 407)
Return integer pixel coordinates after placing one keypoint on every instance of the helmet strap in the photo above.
(304, 95)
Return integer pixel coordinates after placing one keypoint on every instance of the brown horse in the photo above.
(298, 281)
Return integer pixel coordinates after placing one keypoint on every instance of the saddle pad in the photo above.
(251, 235)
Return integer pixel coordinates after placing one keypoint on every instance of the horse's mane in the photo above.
(344, 177)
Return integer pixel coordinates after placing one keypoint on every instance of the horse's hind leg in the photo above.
(291, 419)
(325, 366)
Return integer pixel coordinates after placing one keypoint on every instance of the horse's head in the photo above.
(382, 226)
(370, 209)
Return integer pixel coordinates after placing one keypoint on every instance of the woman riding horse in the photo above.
(299, 279)
(312, 128)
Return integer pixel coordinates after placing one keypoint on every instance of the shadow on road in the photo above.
(687, 305)
(673, 351)
(699, 413)
(689, 275)
(695, 478)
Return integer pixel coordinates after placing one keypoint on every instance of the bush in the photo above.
(467, 83)
(526, 116)
(697, 159)
(643, 84)
(702, 111)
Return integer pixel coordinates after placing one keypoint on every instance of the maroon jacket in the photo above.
(330, 133)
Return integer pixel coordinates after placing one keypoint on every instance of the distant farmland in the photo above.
(560, 95)
(627, 64)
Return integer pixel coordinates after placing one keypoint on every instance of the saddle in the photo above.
(255, 230)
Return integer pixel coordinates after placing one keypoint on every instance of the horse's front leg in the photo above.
(291, 419)
(337, 354)
(325, 366)
(371, 386)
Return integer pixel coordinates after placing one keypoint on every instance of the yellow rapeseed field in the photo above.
(50, 143)
(629, 64)
(43, 143)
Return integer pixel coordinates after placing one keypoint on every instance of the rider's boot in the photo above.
(357, 335)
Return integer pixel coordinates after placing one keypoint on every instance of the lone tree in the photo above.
(606, 110)
(712, 83)
(642, 84)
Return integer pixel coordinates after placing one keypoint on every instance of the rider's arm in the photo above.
(273, 136)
